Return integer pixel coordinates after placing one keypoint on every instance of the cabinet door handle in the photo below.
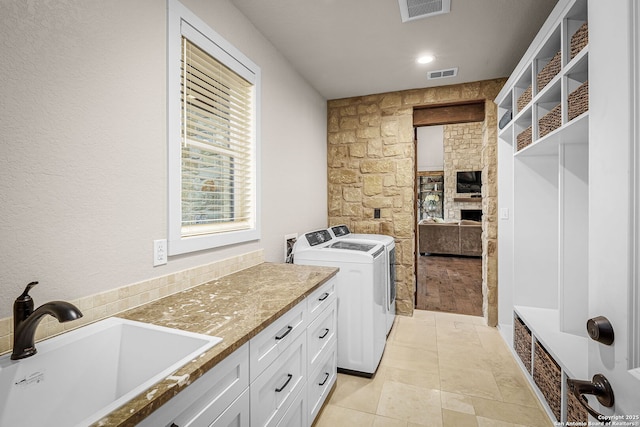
(289, 329)
(286, 383)
(323, 297)
(324, 381)
(326, 331)
(599, 386)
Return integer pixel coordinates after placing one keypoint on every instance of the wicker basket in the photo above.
(578, 101)
(549, 71)
(579, 40)
(524, 99)
(550, 121)
(524, 139)
(548, 377)
(522, 341)
(576, 414)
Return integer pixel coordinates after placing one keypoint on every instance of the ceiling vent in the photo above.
(442, 74)
(416, 9)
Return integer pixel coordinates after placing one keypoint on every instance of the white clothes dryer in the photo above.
(360, 291)
(343, 232)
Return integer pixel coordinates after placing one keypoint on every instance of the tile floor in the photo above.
(438, 369)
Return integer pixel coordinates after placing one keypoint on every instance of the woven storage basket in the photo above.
(522, 341)
(578, 101)
(579, 40)
(524, 99)
(548, 377)
(550, 121)
(549, 71)
(576, 413)
(524, 139)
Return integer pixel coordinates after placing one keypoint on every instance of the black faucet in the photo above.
(26, 320)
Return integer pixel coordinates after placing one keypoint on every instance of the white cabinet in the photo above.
(322, 379)
(264, 382)
(321, 298)
(322, 346)
(270, 344)
(214, 396)
(275, 389)
(543, 182)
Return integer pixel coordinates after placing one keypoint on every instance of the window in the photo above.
(212, 138)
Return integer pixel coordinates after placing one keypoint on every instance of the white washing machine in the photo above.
(342, 232)
(361, 296)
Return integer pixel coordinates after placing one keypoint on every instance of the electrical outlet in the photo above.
(159, 252)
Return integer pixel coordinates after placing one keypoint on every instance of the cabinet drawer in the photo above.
(274, 390)
(203, 401)
(269, 344)
(321, 381)
(296, 415)
(321, 298)
(236, 415)
(320, 335)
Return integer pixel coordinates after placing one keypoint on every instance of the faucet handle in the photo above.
(25, 295)
(23, 306)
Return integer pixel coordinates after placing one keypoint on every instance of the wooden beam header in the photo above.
(449, 114)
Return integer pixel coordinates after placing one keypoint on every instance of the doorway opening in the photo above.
(449, 240)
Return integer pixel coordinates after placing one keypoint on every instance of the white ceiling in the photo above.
(346, 48)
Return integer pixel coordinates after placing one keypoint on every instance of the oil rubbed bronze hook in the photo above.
(599, 386)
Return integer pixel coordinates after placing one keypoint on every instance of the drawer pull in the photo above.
(289, 376)
(289, 329)
(324, 381)
(326, 331)
(324, 297)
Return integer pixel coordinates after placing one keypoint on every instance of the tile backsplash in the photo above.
(109, 303)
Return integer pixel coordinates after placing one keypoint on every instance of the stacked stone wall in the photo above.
(371, 165)
(462, 152)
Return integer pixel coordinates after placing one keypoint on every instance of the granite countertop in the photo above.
(235, 308)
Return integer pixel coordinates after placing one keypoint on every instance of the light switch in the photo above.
(504, 213)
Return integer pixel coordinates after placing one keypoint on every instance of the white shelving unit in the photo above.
(543, 201)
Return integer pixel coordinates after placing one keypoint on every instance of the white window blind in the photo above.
(213, 128)
(216, 129)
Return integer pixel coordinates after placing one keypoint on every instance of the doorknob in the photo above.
(600, 329)
(599, 386)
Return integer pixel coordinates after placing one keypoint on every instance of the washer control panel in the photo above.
(317, 237)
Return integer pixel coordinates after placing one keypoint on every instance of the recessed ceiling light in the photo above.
(425, 59)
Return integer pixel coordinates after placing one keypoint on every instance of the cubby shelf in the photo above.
(543, 191)
(567, 349)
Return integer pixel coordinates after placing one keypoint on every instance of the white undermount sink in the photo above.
(80, 376)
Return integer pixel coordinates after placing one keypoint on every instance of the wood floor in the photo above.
(449, 283)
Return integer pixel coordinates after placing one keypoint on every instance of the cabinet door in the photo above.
(269, 344)
(321, 380)
(204, 400)
(296, 415)
(321, 298)
(236, 415)
(320, 334)
(274, 390)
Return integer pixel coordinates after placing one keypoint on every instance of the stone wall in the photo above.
(462, 152)
(371, 165)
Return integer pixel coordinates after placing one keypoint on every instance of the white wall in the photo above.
(83, 151)
(430, 150)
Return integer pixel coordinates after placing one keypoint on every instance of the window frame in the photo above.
(183, 22)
